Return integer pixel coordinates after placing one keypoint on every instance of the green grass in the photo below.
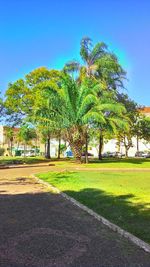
(21, 160)
(70, 163)
(109, 163)
(123, 198)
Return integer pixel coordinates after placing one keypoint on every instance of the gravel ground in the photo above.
(41, 229)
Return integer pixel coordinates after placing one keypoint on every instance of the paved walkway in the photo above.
(40, 229)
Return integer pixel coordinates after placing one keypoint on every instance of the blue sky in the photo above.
(48, 33)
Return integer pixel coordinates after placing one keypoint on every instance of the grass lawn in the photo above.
(70, 163)
(123, 198)
(108, 163)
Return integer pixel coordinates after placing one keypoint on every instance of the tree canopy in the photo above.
(84, 95)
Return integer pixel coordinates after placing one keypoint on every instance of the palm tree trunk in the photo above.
(76, 148)
(59, 146)
(86, 149)
(76, 143)
(100, 145)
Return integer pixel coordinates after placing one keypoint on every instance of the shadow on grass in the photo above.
(120, 210)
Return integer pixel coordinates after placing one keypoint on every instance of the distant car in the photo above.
(105, 155)
(119, 155)
(142, 154)
(28, 154)
(139, 154)
(108, 154)
(89, 154)
(113, 155)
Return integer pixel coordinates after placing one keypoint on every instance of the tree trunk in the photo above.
(100, 145)
(11, 148)
(24, 150)
(48, 153)
(59, 146)
(126, 151)
(137, 144)
(77, 151)
(76, 139)
(86, 149)
(45, 149)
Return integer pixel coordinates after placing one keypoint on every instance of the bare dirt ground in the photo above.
(41, 229)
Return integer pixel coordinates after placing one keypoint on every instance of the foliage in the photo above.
(2, 150)
(10, 136)
(125, 136)
(63, 147)
(26, 134)
(73, 101)
(143, 128)
(9, 133)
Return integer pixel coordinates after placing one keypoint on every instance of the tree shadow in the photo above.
(120, 210)
(21, 181)
(39, 228)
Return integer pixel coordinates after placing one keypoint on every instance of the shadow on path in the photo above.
(44, 229)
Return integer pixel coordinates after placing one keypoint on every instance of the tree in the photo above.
(10, 136)
(78, 106)
(125, 136)
(102, 66)
(90, 55)
(114, 114)
(142, 129)
(71, 102)
(25, 135)
(22, 95)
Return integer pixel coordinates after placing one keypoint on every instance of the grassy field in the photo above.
(70, 163)
(107, 163)
(123, 198)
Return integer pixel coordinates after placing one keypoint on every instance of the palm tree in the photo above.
(90, 55)
(113, 114)
(77, 106)
(103, 67)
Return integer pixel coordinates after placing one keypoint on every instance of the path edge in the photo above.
(137, 241)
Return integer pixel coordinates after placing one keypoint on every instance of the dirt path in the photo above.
(40, 229)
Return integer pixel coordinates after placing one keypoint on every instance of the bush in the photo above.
(17, 153)
(2, 150)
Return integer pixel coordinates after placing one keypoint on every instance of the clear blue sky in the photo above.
(36, 33)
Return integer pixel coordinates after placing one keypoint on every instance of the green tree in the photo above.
(142, 129)
(25, 135)
(10, 136)
(22, 95)
(102, 66)
(78, 106)
(90, 55)
(68, 101)
(125, 136)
